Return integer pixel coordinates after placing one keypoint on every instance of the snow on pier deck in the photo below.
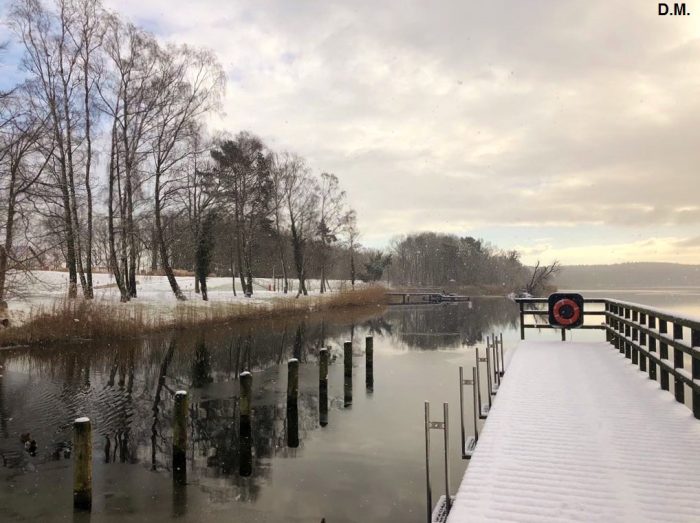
(577, 433)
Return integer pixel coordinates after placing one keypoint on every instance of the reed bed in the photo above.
(67, 320)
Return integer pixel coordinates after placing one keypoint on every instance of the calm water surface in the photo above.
(365, 465)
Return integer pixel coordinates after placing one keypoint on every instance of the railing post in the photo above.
(678, 364)
(635, 337)
(663, 354)
(642, 342)
(522, 320)
(620, 331)
(608, 334)
(695, 342)
(652, 348)
(628, 347)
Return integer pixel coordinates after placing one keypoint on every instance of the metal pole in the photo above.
(478, 380)
(494, 353)
(427, 463)
(503, 362)
(461, 408)
(474, 387)
(488, 369)
(448, 501)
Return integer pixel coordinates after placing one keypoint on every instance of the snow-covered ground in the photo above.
(44, 289)
(577, 433)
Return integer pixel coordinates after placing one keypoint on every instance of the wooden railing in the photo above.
(662, 344)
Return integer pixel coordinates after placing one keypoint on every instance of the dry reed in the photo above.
(91, 320)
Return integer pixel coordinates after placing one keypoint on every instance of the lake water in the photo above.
(366, 464)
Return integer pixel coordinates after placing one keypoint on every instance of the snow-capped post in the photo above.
(652, 348)
(347, 359)
(323, 387)
(245, 467)
(180, 437)
(695, 370)
(347, 368)
(82, 464)
(679, 386)
(292, 380)
(246, 384)
(292, 405)
(369, 363)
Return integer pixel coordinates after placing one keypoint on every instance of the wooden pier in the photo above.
(585, 431)
(413, 298)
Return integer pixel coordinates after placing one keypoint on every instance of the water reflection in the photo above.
(128, 390)
(447, 325)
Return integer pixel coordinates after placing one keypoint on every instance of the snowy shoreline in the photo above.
(43, 313)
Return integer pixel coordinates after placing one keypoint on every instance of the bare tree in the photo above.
(20, 167)
(540, 277)
(332, 219)
(352, 234)
(301, 202)
(188, 83)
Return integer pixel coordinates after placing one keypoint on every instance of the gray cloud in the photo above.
(464, 114)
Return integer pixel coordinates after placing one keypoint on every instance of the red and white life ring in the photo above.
(561, 320)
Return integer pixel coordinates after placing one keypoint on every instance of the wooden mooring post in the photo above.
(180, 437)
(323, 387)
(292, 403)
(347, 373)
(245, 466)
(369, 363)
(82, 465)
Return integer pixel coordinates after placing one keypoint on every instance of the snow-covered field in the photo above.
(44, 289)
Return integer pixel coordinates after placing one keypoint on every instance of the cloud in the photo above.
(460, 115)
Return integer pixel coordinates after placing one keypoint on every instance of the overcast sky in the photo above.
(566, 129)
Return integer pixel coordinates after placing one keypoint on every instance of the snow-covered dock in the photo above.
(577, 433)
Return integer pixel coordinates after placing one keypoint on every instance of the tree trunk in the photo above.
(163, 248)
(6, 248)
(114, 264)
(88, 291)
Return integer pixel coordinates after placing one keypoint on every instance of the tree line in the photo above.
(106, 162)
(431, 259)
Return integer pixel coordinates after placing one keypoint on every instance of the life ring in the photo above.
(561, 320)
